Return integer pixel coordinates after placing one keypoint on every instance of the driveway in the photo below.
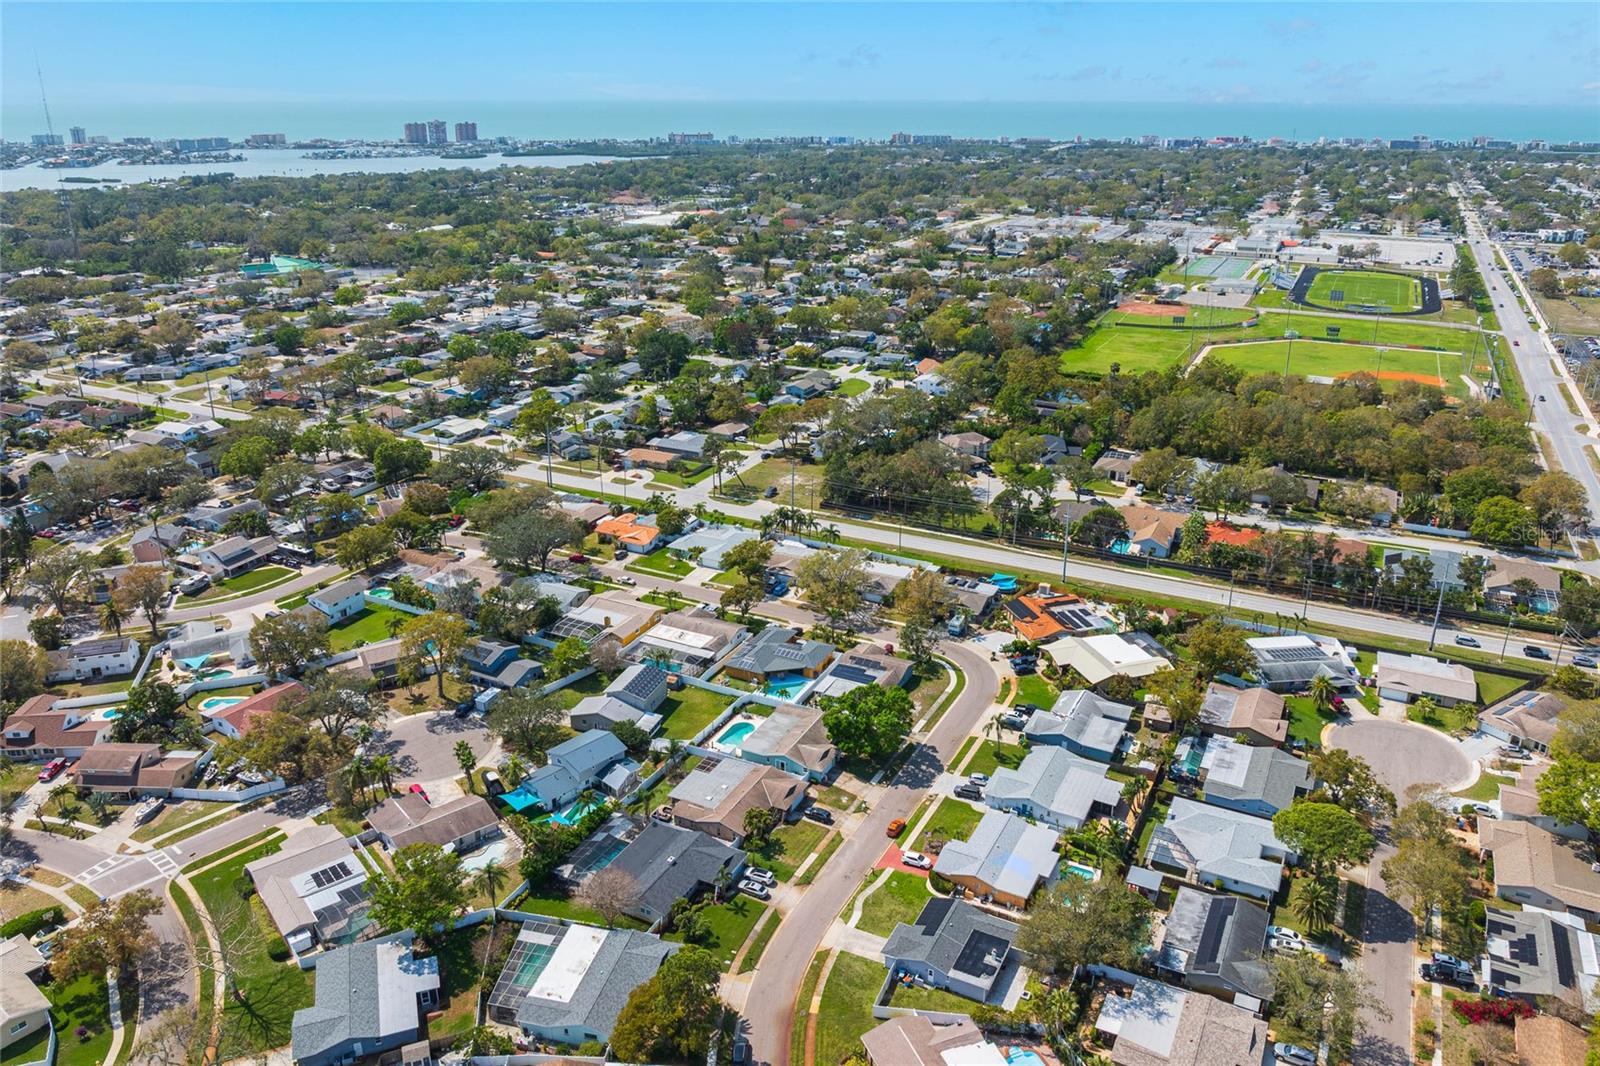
(1403, 754)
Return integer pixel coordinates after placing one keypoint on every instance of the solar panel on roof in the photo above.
(1296, 655)
(977, 953)
(329, 874)
(851, 673)
(1564, 970)
(1211, 935)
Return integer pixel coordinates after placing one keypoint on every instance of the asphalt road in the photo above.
(1389, 945)
(770, 1007)
(1537, 365)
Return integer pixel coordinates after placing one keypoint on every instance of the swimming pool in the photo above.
(1004, 582)
(212, 675)
(735, 733)
(574, 814)
(1021, 1056)
(1078, 869)
(217, 703)
(786, 686)
(382, 592)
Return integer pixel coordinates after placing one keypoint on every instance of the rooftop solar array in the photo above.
(1294, 655)
(330, 874)
(982, 954)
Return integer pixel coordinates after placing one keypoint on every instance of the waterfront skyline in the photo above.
(1169, 67)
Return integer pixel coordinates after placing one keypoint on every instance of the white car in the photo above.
(754, 888)
(917, 859)
(1282, 932)
(760, 875)
(978, 779)
(1279, 944)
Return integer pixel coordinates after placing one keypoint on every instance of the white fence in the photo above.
(223, 795)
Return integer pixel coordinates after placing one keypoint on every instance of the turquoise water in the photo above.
(382, 593)
(1077, 869)
(735, 734)
(1017, 1056)
(573, 814)
(217, 703)
(786, 686)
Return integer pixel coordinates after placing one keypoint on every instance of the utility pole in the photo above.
(1510, 617)
(1438, 609)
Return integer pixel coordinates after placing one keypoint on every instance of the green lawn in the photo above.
(774, 473)
(1492, 687)
(1331, 359)
(900, 899)
(367, 626)
(1031, 688)
(260, 578)
(915, 997)
(553, 901)
(1450, 719)
(990, 756)
(83, 1002)
(459, 970)
(175, 816)
(1486, 789)
(1196, 315)
(689, 710)
(30, 1048)
(730, 923)
(1305, 721)
(758, 946)
(661, 563)
(1364, 289)
(846, 1009)
(953, 819)
(788, 847)
(271, 991)
(1132, 350)
(854, 386)
(817, 864)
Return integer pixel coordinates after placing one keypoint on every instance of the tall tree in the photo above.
(671, 1016)
(1080, 922)
(438, 640)
(425, 890)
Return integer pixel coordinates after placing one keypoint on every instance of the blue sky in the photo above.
(248, 53)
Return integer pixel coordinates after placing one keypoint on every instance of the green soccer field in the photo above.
(1361, 289)
(1331, 360)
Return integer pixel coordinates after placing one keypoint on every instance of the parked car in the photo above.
(896, 827)
(1448, 975)
(761, 874)
(754, 888)
(1294, 1055)
(917, 859)
(577, 557)
(770, 492)
(969, 791)
(1585, 660)
(1279, 944)
(1013, 721)
(978, 779)
(52, 769)
(1533, 651)
(1283, 932)
(1444, 958)
(1029, 709)
(1466, 641)
(419, 790)
(819, 814)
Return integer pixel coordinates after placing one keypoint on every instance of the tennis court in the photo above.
(1218, 266)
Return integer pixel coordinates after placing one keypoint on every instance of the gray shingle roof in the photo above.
(668, 863)
(953, 937)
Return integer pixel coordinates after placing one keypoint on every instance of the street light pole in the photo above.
(1438, 609)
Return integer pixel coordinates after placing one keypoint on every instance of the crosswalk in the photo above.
(116, 875)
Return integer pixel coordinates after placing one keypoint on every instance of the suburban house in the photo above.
(607, 615)
(792, 738)
(668, 863)
(864, 664)
(1542, 594)
(566, 983)
(133, 769)
(1526, 720)
(969, 443)
(1252, 780)
(235, 555)
(913, 1040)
(1256, 714)
(708, 545)
(499, 664)
(369, 999)
(341, 600)
(94, 658)
(1056, 787)
(635, 695)
(1147, 1023)
(1411, 677)
(693, 637)
(1533, 866)
(41, 729)
(714, 796)
(1004, 858)
(1213, 942)
(1213, 845)
(234, 720)
(955, 946)
(314, 888)
(1116, 464)
(460, 825)
(1532, 955)
(24, 1010)
(1106, 655)
(637, 533)
(1082, 723)
(576, 765)
(1152, 531)
(778, 650)
(1519, 801)
(1289, 664)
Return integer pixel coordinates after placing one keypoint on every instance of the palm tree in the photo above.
(833, 533)
(395, 623)
(1318, 902)
(382, 769)
(660, 658)
(61, 795)
(491, 879)
(1322, 692)
(587, 799)
(514, 769)
(359, 773)
(112, 615)
(721, 882)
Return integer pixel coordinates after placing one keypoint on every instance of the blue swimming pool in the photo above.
(382, 592)
(786, 686)
(574, 814)
(1078, 869)
(1019, 1056)
(217, 703)
(734, 735)
(1003, 581)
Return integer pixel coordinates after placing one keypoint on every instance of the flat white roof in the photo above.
(567, 966)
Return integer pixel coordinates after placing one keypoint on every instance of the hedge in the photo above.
(31, 922)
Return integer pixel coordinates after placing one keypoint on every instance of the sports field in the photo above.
(1198, 316)
(1136, 350)
(1217, 266)
(1329, 360)
(1361, 290)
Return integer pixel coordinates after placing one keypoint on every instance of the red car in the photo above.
(457, 521)
(48, 534)
(418, 789)
(51, 769)
(577, 557)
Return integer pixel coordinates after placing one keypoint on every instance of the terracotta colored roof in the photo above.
(1031, 617)
(241, 716)
(626, 528)
(1223, 533)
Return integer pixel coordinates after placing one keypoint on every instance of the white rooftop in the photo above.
(567, 966)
